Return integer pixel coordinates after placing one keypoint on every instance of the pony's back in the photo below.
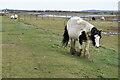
(76, 25)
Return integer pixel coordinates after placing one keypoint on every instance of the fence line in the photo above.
(40, 17)
(37, 17)
(55, 17)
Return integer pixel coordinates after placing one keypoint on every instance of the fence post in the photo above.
(42, 16)
(48, 17)
(18, 17)
(30, 16)
(66, 16)
(64, 23)
(36, 16)
(53, 17)
(24, 16)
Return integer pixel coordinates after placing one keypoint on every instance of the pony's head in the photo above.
(95, 37)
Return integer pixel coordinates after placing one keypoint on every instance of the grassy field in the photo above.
(32, 49)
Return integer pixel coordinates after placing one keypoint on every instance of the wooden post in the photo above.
(24, 16)
(30, 16)
(64, 23)
(48, 17)
(53, 17)
(42, 16)
(66, 16)
(18, 17)
(36, 16)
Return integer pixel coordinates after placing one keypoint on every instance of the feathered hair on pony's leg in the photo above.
(65, 37)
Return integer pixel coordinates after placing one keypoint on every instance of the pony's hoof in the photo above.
(86, 56)
(72, 51)
(78, 53)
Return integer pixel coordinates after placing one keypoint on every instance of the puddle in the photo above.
(71, 15)
(64, 16)
(111, 33)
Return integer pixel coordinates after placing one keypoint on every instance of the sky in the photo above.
(72, 5)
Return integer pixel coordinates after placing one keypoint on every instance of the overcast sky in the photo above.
(75, 5)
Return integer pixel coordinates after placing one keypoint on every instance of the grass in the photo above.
(32, 49)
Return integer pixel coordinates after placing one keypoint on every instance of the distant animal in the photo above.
(80, 30)
(93, 18)
(12, 17)
(102, 18)
(15, 16)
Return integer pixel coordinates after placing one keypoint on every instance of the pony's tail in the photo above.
(65, 37)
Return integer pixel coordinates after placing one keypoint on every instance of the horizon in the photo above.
(57, 10)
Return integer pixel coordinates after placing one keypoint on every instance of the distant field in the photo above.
(32, 49)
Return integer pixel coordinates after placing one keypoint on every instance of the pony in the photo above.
(15, 16)
(93, 18)
(80, 30)
(103, 18)
(12, 17)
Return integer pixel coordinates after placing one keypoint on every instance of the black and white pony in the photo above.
(81, 30)
(15, 16)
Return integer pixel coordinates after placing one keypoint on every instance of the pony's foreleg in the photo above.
(86, 55)
(80, 50)
(72, 47)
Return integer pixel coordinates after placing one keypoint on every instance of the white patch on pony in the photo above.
(79, 20)
(76, 25)
(12, 16)
(16, 16)
(102, 18)
(97, 38)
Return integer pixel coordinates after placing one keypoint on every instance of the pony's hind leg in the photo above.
(72, 47)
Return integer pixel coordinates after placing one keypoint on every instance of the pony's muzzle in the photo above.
(97, 46)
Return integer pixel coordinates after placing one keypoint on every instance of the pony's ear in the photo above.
(100, 30)
(100, 33)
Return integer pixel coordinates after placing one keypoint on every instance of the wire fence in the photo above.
(43, 17)
(65, 17)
